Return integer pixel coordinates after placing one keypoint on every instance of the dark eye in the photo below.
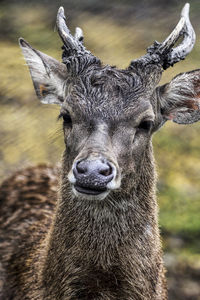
(66, 118)
(145, 125)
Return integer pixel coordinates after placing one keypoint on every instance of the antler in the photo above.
(164, 53)
(71, 42)
(75, 55)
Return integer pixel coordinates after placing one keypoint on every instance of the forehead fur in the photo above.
(108, 93)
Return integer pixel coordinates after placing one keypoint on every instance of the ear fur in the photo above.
(48, 74)
(180, 99)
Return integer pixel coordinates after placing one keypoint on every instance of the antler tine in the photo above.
(63, 30)
(75, 55)
(79, 34)
(73, 44)
(185, 47)
(173, 37)
(184, 27)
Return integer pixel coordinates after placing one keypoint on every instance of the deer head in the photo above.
(109, 115)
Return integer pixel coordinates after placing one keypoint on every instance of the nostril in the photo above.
(81, 167)
(106, 171)
(93, 172)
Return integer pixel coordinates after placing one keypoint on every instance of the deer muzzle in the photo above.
(93, 177)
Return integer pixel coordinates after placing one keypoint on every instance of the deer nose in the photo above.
(92, 176)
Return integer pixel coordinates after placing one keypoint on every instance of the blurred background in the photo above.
(117, 32)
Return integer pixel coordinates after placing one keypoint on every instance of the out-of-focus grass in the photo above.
(29, 132)
(177, 153)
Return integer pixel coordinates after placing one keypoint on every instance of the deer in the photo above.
(98, 238)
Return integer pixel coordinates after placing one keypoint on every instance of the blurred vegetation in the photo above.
(117, 32)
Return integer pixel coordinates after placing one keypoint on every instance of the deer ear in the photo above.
(48, 74)
(180, 99)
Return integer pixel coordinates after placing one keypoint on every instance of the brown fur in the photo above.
(27, 199)
(101, 269)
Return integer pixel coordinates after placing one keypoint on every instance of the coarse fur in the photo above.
(89, 245)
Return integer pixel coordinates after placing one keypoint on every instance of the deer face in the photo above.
(108, 114)
(108, 120)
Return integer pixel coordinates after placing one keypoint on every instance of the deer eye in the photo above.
(66, 118)
(145, 125)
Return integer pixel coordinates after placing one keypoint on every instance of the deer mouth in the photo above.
(89, 190)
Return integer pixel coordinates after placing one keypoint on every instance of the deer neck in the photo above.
(104, 247)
